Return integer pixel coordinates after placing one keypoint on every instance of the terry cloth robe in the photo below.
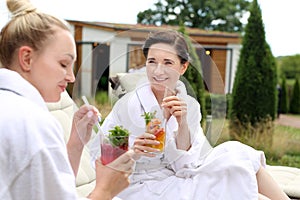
(34, 164)
(226, 172)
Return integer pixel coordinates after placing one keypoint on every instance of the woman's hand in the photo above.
(125, 162)
(83, 122)
(173, 105)
(140, 143)
(113, 178)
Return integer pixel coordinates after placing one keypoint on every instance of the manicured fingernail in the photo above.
(90, 114)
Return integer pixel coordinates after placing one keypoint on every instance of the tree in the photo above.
(194, 75)
(290, 66)
(295, 99)
(283, 98)
(254, 96)
(222, 15)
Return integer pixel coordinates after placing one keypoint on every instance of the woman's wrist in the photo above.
(182, 138)
(99, 195)
(74, 142)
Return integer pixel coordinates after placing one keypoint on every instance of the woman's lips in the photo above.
(159, 79)
(63, 87)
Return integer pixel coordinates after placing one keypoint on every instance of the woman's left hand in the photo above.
(175, 106)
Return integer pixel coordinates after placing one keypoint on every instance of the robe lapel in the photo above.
(149, 104)
(147, 99)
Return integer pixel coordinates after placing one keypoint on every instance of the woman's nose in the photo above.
(159, 69)
(70, 77)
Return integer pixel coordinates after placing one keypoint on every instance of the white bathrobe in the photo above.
(33, 157)
(226, 172)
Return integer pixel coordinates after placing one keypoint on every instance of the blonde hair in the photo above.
(28, 27)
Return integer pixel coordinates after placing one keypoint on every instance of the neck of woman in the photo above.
(159, 95)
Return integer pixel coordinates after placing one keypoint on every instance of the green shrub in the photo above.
(254, 96)
(258, 135)
(290, 66)
(219, 103)
(101, 97)
(193, 75)
(283, 98)
(290, 160)
(295, 99)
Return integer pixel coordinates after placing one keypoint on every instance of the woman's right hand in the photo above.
(112, 178)
(141, 143)
(125, 162)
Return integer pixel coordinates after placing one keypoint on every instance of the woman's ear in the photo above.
(25, 58)
(184, 68)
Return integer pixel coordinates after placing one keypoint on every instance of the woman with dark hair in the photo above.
(188, 168)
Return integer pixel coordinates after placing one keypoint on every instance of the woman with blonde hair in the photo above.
(37, 53)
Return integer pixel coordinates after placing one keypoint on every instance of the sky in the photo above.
(280, 17)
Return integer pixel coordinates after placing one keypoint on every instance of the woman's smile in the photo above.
(160, 79)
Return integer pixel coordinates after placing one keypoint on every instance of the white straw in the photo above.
(99, 118)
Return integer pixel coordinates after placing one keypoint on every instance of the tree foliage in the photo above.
(283, 98)
(289, 66)
(254, 96)
(295, 99)
(222, 15)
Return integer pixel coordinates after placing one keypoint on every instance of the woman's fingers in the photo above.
(124, 163)
(109, 179)
(84, 120)
(143, 145)
(176, 107)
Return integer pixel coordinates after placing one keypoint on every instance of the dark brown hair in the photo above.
(170, 37)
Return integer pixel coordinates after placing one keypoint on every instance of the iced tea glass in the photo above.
(156, 127)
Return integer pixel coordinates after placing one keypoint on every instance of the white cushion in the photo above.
(129, 81)
(288, 179)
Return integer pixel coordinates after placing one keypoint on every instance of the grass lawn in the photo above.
(285, 148)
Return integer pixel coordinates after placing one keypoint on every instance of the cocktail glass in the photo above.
(111, 148)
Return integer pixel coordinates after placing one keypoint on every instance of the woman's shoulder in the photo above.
(35, 125)
(21, 111)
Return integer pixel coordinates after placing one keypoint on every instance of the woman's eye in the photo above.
(151, 63)
(63, 65)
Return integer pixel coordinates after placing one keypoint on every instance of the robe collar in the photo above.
(147, 98)
(149, 103)
(14, 82)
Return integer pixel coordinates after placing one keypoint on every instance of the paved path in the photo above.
(288, 120)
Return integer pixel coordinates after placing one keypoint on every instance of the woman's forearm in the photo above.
(74, 154)
(183, 138)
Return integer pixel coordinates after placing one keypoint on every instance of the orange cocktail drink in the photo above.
(155, 127)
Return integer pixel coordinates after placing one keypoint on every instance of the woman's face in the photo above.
(52, 66)
(163, 67)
